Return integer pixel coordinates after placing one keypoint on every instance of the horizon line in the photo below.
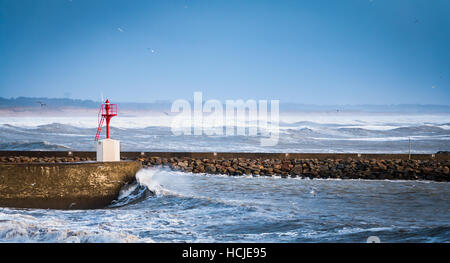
(170, 101)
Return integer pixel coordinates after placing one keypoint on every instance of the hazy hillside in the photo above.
(55, 103)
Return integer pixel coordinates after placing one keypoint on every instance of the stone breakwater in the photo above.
(311, 168)
(338, 166)
(54, 159)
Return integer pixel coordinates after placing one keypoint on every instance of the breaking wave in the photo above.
(324, 134)
(21, 231)
(135, 192)
(33, 146)
(169, 206)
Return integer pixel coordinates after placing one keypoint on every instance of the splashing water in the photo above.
(169, 206)
(299, 132)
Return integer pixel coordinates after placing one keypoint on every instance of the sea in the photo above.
(172, 206)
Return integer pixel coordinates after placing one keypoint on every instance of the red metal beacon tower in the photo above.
(108, 150)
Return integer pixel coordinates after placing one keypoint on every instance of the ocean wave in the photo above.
(58, 128)
(388, 139)
(131, 193)
(319, 136)
(420, 129)
(24, 231)
(32, 146)
(190, 207)
(302, 127)
(155, 179)
(144, 187)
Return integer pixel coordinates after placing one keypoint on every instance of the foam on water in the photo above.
(21, 228)
(187, 207)
(298, 133)
(168, 206)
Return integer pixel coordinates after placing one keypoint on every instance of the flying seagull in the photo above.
(42, 104)
(152, 50)
(120, 29)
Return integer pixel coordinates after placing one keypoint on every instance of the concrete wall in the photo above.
(64, 185)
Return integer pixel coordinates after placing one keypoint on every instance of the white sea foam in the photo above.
(377, 121)
(17, 228)
(299, 132)
(214, 208)
(149, 177)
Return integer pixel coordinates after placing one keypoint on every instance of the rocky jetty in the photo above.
(51, 159)
(349, 168)
(433, 168)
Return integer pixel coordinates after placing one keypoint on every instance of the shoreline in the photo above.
(426, 167)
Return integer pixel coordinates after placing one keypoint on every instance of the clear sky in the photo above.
(313, 52)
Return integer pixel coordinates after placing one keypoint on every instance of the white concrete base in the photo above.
(108, 150)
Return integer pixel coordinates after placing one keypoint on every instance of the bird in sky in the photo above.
(42, 104)
(152, 50)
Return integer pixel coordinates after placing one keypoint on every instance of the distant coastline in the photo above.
(31, 104)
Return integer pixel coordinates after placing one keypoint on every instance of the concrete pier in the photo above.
(77, 185)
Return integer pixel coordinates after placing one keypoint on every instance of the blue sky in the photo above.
(313, 52)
